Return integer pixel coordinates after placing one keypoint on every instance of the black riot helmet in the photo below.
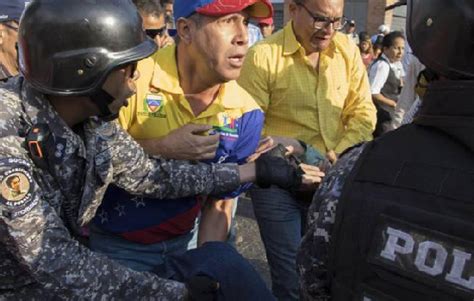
(441, 34)
(69, 47)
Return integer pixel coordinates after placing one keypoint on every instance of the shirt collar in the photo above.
(386, 58)
(165, 73)
(291, 44)
(229, 95)
(165, 78)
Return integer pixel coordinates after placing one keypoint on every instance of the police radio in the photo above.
(37, 141)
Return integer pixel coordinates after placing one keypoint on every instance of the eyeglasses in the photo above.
(320, 22)
(152, 33)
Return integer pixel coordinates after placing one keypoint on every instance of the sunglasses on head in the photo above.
(152, 33)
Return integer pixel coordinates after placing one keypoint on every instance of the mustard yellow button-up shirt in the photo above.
(330, 108)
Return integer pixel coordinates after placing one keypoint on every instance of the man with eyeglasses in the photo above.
(60, 150)
(392, 222)
(312, 85)
(187, 106)
(153, 15)
(10, 12)
(168, 7)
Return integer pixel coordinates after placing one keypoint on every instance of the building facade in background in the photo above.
(368, 14)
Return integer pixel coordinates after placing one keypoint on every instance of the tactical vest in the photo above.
(405, 221)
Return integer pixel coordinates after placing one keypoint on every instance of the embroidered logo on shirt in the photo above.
(228, 126)
(153, 102)
(153, 106)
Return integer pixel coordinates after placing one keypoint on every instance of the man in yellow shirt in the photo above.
(311, 83)
(185, 90)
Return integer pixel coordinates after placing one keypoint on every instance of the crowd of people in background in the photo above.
(384, 55)
(225, 87)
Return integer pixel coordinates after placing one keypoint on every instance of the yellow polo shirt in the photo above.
(160, 106)
(330, 109)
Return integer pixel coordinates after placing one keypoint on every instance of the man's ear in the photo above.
(184, 30)
(292, 6)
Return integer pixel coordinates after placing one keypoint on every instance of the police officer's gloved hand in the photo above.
(202, 288)
(274, 168)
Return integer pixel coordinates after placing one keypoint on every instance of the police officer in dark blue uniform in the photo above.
(393, 219)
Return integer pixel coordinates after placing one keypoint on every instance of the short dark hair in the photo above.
(389, 39)
(10, 180)
(149, 7)
(163, 2)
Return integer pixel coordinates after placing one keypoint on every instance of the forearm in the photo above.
(380, 99)
(216, 218)
(68, 270)
(173, 179)
(247, 173)
(154, 147)
(135, 172)
(359, 127)
(359, 112)
(406, 100)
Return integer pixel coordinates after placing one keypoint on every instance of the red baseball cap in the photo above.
(266, 21)
(255, 8)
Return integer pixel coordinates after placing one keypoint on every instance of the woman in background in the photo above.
(386, 79)
(365, 47)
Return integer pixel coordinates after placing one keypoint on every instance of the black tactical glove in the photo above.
(202, 288)
(274, 168)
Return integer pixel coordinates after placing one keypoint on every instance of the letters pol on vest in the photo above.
(424, 253)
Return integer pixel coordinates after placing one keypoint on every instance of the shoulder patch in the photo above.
(16, 186)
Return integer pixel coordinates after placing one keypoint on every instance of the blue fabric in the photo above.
(238, 280)
(236, 149)
(255, 34)
(185, 8)
(140, 217)
(145, 257)
(12, 9)
(137, 212)
(281, 219)
(139, 257)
